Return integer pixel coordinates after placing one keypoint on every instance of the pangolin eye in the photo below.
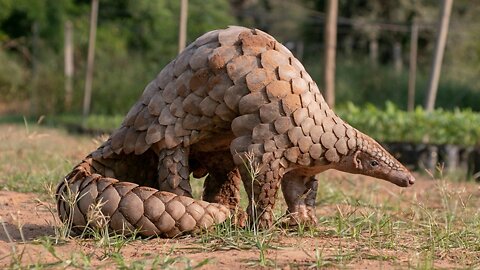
(373, 163)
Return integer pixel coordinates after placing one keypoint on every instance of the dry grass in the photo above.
(363, 222)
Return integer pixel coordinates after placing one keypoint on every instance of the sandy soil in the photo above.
(33, 216)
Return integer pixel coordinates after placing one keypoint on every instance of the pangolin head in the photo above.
(370, 158)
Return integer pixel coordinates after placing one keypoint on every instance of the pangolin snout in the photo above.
(411, 180)
(401, 178)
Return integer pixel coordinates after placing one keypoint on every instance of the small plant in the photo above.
(459, 127)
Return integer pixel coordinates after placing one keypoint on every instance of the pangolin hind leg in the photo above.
(300, 193)
(222, 184)
(173, 174)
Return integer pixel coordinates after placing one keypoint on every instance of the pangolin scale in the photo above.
(231, 92)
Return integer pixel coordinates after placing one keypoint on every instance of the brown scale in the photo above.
(230, 92)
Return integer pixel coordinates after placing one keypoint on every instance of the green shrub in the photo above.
(461, 127)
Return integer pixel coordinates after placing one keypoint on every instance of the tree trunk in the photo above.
(397, 57)
(373, 49)
(412, 72)
(330, 47)
(90, 59)
(438, 56)
(68, 65)
(182, 33)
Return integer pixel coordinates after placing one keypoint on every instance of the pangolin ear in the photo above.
(356, 160)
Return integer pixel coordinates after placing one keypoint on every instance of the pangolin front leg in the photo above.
(300, 194)
(261, 176)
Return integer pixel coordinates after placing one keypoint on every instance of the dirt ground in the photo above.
(26, 211)
(28, 229)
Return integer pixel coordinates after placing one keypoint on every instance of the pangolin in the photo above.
(231, 93)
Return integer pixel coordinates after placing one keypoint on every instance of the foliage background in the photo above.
(136, 38)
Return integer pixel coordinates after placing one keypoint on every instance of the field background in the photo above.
(364, 223)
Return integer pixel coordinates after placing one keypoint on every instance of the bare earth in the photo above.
(363, 224)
